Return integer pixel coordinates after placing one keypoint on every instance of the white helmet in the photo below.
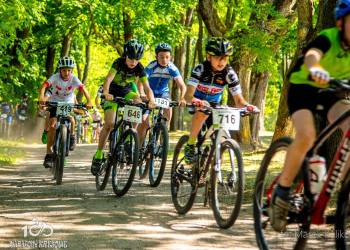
(66, 62)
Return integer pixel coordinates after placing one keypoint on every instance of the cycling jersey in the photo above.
(159, 76)
(63, 91)
(5, 108)
(210, 84)
(335, 59)
(124, 76)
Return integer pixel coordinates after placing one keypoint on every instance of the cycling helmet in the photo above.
(219, 46)
(342, 9)
(66, 62)
(133, 49)
(163, 47)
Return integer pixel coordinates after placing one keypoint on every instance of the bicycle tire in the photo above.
(179, 176)
(230, 184)
(122, 164)
(261, 199)
(342, 220)
(145, 160)
(61, 154)
(101, 179)
(160, 132)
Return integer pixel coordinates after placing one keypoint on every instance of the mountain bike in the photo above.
(61, 141)
(305, 209)
(154, 151)
(79, 127)
(222, 157)
(123, 155)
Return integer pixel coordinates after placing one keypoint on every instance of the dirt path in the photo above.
(82, 218)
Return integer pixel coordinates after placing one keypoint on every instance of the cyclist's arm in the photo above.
(182, 86)
(42, 91)
(147, 89)
(87, 95)
(240, 101)
(141, 88)
(313, 57)
(109, 79)
(189, 93)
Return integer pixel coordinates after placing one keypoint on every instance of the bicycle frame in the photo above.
(334, 172)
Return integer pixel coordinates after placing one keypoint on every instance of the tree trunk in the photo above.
(50, 58)
(258, 93)
(128, 34)
(199, 45)
(211, 18)
(66, 44)
(305, 32)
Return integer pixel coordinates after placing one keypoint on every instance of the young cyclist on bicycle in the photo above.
(120, 81)
(159, 73)
(327, 55)
(206, 85)
(63, 85)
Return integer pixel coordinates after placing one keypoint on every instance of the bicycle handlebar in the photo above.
(208, 110)
(337, 86)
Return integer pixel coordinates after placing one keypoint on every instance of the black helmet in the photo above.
(133, 49)
(219, 46)
(66, 62)
(163, 47)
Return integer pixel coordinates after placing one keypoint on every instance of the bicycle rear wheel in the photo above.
(61, 154)
(227, 185)
(183, 181)
(159, 154)
(124, 168)
(342, 224)
(297, 230)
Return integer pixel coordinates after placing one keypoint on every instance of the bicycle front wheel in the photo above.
(102, 176)
(126, 160)
(295, 236)
(183, 182)
(61, 154)
(227, 184)
(159, 154)
(342, 223)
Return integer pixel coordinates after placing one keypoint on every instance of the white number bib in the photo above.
(162, 103)
(132, 114)
(64, 109)
(226, 118)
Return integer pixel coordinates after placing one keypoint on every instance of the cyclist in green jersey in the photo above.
(328, 55)
(121, 80)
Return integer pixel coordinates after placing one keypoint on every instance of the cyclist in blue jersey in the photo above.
(159, 73)
(206, 85)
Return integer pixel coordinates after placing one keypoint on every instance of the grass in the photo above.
(10, 152)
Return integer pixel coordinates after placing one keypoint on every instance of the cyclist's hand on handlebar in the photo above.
(319, 75)
(152, 104)
(200, 103)
(251, 108)
(108, 96)
(182, 103)
(143, 98)
(89, 105)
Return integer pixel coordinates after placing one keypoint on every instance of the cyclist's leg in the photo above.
(110, 112)
(198, 120)
(142, 128)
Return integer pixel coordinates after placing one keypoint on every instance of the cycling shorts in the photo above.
(305, 96)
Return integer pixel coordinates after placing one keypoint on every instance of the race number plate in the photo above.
(64, 109)
(162, 103)
(132, 114)
(226, 118)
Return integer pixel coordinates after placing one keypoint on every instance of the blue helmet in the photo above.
(163, 47)
(342, 9)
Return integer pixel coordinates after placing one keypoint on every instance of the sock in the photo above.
(191, 141)
(282, 192)
(99, 154)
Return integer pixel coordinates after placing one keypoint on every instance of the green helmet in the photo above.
(219, 46)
